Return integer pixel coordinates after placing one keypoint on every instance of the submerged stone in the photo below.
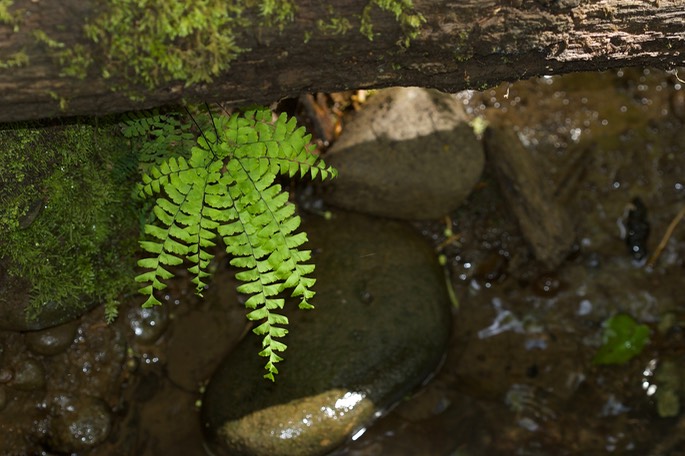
(78, 423)
(379, 329)
(28, 375)
(409, 154)
(52, 341)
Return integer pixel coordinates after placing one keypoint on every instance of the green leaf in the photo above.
(622, 339)
(258, 314)
(151, 302)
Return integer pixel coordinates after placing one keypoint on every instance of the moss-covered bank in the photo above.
(68, 225)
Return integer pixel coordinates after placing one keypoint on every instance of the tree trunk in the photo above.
(463, 44)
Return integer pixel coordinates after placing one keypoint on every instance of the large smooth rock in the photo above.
(408, 154)
(380, 326)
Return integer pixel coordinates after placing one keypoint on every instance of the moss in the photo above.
(403, 10)
(8, 17)
(156, 41)
(16, 60)
(333, 24)
(42, 38)
(462, 50)
(66, 221)
(151, 42)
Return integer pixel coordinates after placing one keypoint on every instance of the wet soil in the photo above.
(518, 376)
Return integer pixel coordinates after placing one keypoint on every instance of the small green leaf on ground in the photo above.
(623, 339)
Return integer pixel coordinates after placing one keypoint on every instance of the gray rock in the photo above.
(380, 326)
(408, 154)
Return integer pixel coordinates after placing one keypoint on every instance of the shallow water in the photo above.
(519, 377)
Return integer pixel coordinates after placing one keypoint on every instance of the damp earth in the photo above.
(518, 375)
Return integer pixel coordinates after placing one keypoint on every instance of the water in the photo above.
(519, 377)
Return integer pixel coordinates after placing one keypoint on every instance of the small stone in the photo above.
(380, 327)
(53, 340)
(29, 375)
(78, 423)
(409, 154)
(148, 324)
(5, 375)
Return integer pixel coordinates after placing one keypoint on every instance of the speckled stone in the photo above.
(78, 423)
(380, 326)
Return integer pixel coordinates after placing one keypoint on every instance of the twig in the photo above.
(665, 238)
(450, 240)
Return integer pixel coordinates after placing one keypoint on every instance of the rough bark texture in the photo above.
(463, 44)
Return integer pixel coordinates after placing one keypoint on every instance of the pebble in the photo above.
(52, 341)
(29, 375)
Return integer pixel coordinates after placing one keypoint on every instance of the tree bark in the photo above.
(464, 44)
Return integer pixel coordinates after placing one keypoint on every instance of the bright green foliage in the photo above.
(622, 340)
(225, 186)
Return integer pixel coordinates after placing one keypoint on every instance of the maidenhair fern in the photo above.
(224, 185)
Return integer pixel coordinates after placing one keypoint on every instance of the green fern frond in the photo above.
(224, 185)
(157, 136)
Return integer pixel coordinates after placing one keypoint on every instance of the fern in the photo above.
(160, 136)
(224, 185)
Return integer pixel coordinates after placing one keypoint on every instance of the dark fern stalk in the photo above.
(225, 187)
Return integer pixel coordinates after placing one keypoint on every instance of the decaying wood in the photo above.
(544, 223)
(463, 44)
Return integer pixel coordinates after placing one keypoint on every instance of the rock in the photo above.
(53, 340)
(408, 154)
(29, 375)
(545, 223)
(380, 327)
(148, 324)
(78, 423)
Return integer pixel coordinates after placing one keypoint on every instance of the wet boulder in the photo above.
(379, 329)
(409, 154)
(78, 423)
(52, 341)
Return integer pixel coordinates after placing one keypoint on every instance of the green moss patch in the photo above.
(67, 223)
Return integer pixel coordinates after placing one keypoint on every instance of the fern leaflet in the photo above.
(224, 185)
